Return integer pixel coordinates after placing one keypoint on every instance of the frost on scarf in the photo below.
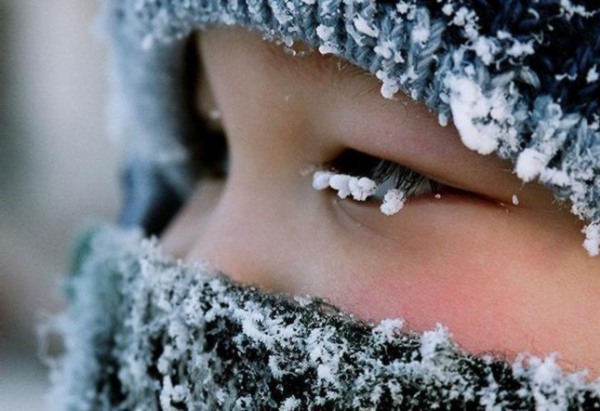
(144, 332)
(519, 78)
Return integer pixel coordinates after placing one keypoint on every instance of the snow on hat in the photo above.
(520, 78)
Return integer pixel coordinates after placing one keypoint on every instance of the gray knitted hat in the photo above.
(520, 78)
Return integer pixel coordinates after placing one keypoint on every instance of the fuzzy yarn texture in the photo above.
(145, 332)
(516, 77)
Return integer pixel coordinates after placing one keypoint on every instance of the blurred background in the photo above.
(57, 168)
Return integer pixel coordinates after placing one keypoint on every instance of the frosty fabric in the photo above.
(516, 77)
(144, 332)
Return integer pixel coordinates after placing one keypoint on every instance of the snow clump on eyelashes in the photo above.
(360, 188)
(146, 332)
(393, 202)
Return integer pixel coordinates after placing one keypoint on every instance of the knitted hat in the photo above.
(520, 78)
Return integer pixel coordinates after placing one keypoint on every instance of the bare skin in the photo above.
(504, 278)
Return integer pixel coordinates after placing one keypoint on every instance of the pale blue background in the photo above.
(57, 166)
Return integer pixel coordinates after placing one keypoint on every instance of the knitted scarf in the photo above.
(145, 332)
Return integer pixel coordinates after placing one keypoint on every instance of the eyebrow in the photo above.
(347, 70)
(320, 65)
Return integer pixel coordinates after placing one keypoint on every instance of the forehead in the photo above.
(307, 65)
(314, 66)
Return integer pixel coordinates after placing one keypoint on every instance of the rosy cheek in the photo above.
(497, 285)
(501, 314)
(478, 315)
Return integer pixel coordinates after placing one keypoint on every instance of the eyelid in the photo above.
(487, 181)
(359, 164)
(365, 178)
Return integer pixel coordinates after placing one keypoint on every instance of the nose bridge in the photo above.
(238, 238)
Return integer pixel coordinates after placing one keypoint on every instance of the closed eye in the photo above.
(363, 177)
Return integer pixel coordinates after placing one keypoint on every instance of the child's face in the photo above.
(504, 278)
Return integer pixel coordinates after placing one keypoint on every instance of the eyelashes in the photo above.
(353, 175)
(392, 176)
(363, 177)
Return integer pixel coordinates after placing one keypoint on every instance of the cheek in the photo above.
(497, 315)
(496, 285)
(479, 312)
